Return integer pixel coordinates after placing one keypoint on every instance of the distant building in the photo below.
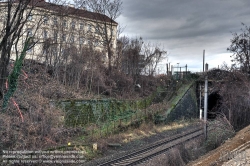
(57, 28)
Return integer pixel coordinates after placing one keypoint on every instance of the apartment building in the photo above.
(57, 29)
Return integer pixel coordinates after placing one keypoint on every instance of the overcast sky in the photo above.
(186, 27)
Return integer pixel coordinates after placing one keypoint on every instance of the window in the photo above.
(30, 17)
(81, 40)
(81, 26)
(54, 50)
(72, 39)
(45, 20)
(55, 21)
(89, 42)
(104, 43)
(64, 37)
(96, 30)
(45, 51)
(29, 32)
(89, 27)
(96, 42)
(29, 50)
(55, 35)
(62, 51)
(45, 34)
(73, 24)
(65, 23)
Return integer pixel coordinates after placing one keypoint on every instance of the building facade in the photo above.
(57, 30)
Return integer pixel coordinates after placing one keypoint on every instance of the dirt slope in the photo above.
(235, 151)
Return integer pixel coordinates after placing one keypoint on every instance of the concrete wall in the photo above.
(186, 108)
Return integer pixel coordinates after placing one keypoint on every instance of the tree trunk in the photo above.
(109, 59)
(4, 62)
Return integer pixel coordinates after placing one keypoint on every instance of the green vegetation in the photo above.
(13, 77)
(108, 116)
(81, 113)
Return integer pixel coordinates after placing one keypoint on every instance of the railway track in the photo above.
(145, 153)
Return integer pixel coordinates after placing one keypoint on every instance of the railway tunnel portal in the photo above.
(214, 102)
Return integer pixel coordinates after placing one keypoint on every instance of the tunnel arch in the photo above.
(214, 103)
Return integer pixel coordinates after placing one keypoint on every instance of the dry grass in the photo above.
(42, 126)
(145, 130)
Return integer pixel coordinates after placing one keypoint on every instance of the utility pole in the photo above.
(167, 68)
(200, 104)
(205, 107)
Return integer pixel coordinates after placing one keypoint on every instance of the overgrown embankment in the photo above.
(43, 125)
(100, 118)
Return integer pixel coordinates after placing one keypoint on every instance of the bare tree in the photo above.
(137, 57)
(13, 22)
(122, 43)
(155, 58)
(15, 15)
(240, 47)
(105, 12)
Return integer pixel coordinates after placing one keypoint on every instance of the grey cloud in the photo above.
(186, 27)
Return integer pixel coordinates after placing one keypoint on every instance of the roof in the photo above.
(68, 10)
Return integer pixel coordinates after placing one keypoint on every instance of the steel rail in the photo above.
(154, 149)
